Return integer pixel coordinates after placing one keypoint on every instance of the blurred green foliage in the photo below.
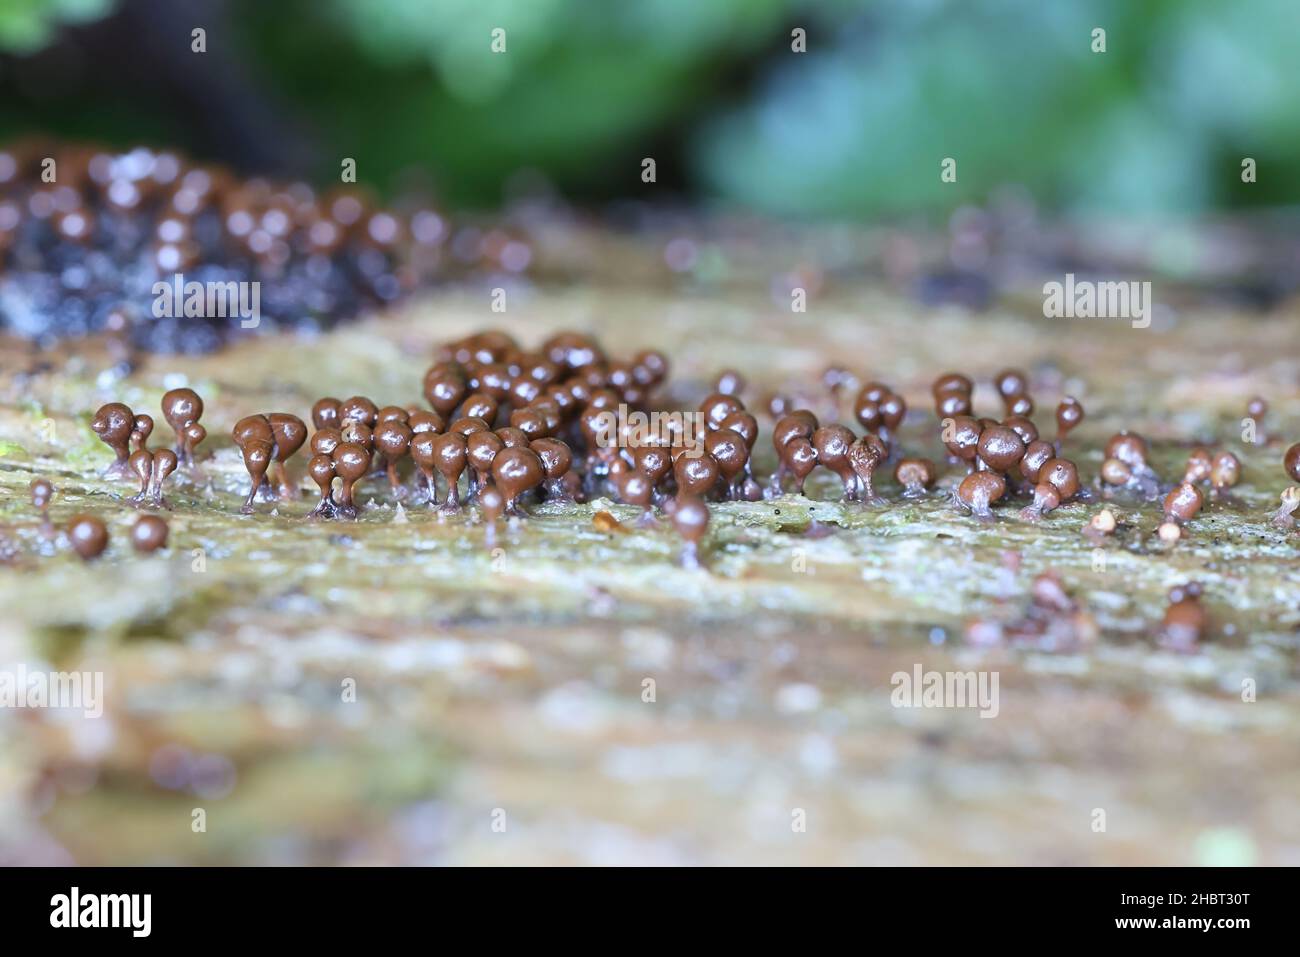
(1013, 91)
(856, 126)
(581, 89)
(27, 25)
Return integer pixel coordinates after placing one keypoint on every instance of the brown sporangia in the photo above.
(449, 458)
(288, 433)
(532, 426)
(690, 518)
(1037, 454)
(1069, 413)
(152, 467)
(866, 409)
(832, 443)
(444, 388)
(1199, 463)
(799, 424)
(999, 448)
(1284, 517)
(320, 469)
(718, 407)
(557, 459)
(134, 216)
(1057, 482)
(635, 488)
(267, 442)
(893, 410)
(696, 475)
(87, 535)
(148, 534)
(351, 464)
(114, 424)
(252, 436)
(654, 462)
(1225, 472)
(799, 458)
(392, 438)
(481, 449)
(865, 456)
(516, 471)
(1023, 427)
(961, 437)
(182, 409)
(42, 493)
(1185, 620)
(1124, 465)
(952, 382)
(1012, 385)
(729, 382)
(1053, 621)
(979, 490)
(360, 409)
(141, 429)
(729, 449)
(1181, 506)
(916, 475)
(325, 413)
(1256, 409)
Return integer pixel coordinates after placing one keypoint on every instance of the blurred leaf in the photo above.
(28, 25)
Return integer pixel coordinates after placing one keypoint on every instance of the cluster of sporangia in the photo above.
(127, 434)
(87, 534)
(522, 426)
(85, 233)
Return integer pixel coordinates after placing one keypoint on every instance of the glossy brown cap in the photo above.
(1183, 503)
(113, 423)
(87, 535)
(915, 473)
(148, 534)
(252, 428)
(289, 433)
(1226, 470)
(729, 450)
(951, 382)
(1011, 383)
(1062, 475)
(1129, 447)
(359, 409)
(797, 424)
(1068, 414)
(981, 489)
(325, 413)
(717, 407)
(556, 456)
(393, 438)
(479, 405)
(697, 475)
(948, 405)
(424, 420)
(1000, 448)
(516, 470)
(1037, 454)
(1291, 462)
(1024, 427)
(180, 407)
(961, 436)
(42, 493)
